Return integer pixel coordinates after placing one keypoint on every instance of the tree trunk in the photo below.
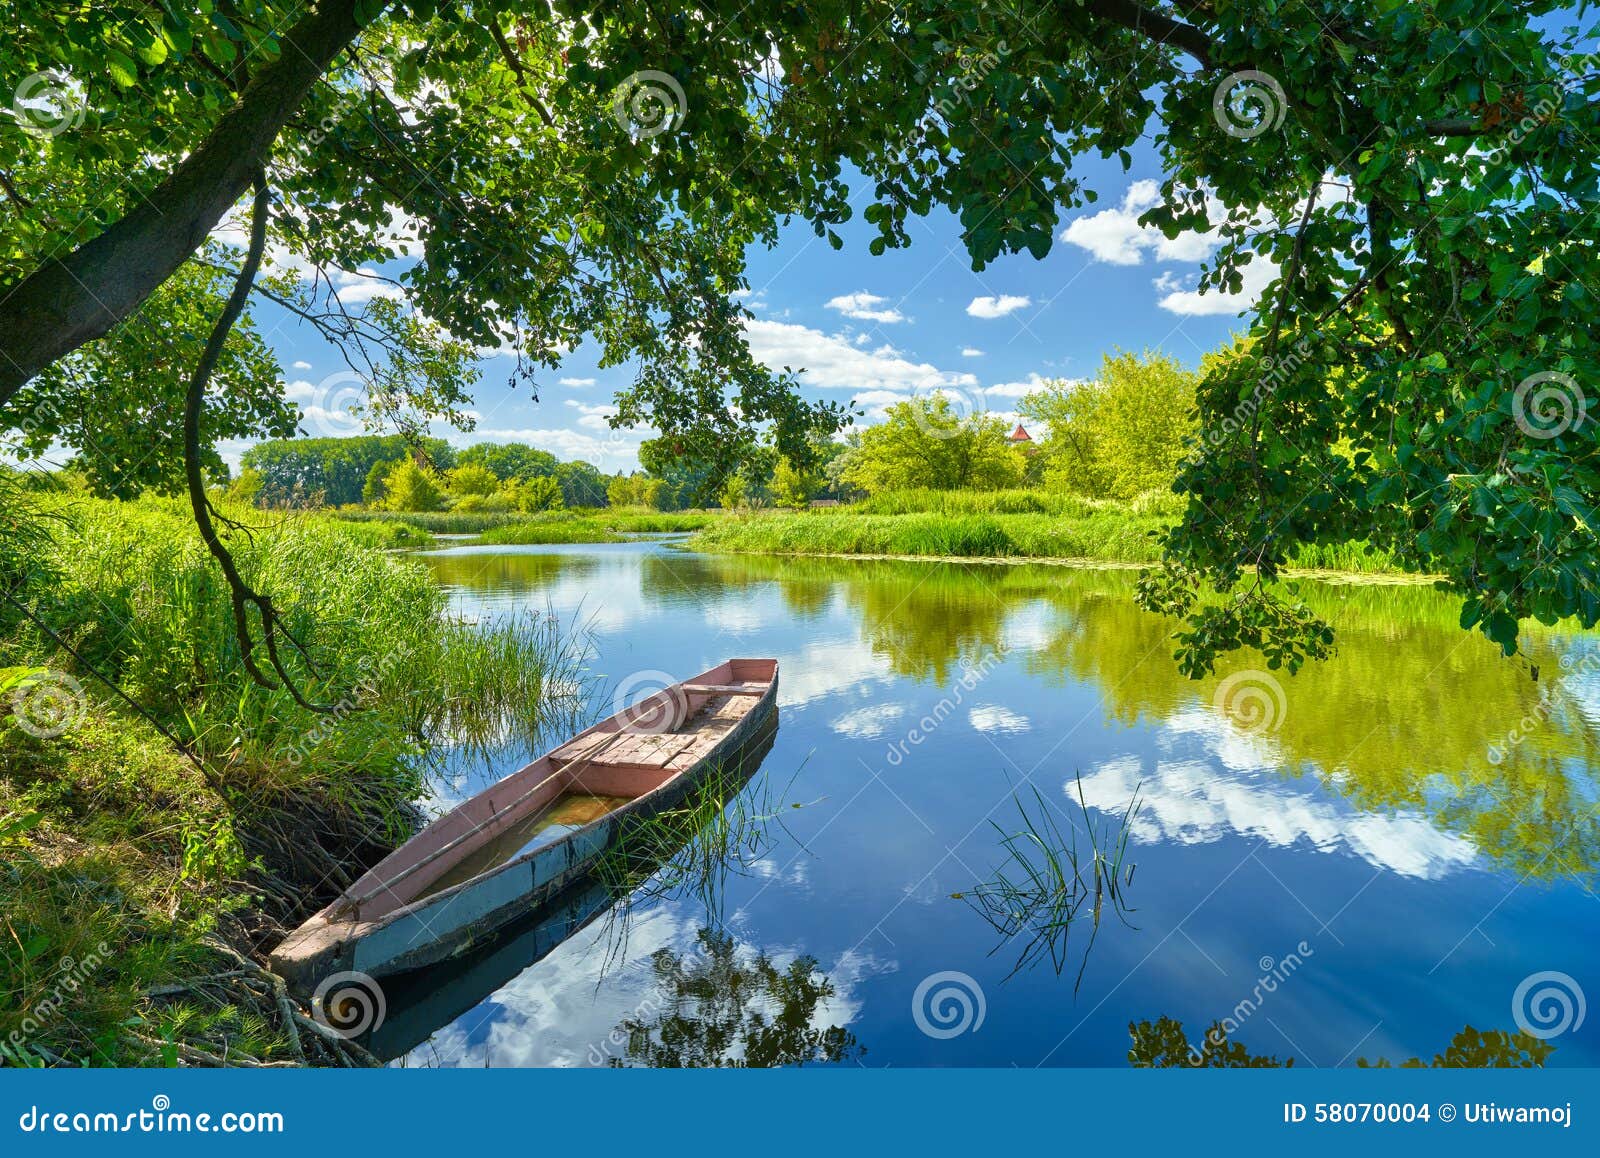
(67, 302)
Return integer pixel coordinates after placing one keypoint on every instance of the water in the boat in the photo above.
(1390, 855)
(566, 814)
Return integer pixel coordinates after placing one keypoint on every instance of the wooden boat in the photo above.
(515, 845)
(417, 1003)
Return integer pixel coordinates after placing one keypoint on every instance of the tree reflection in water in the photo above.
(1163, 1045)
(714, 1006)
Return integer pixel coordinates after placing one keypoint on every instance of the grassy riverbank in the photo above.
(607, 526)
(140, 884)
(582, 525)
(988, 525)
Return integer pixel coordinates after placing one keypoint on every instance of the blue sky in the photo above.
(877, 329)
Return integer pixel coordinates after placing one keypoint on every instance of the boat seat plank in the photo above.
(655, 750)
(725, 689)
(581, 746)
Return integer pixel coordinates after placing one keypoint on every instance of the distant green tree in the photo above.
(246, 487)
(923, 442)
(733, 493)
(411, 488)
(794, 487)
(510, 460)
(472, 478)
(582, 484)
(636, 490)
(373, 491)
(1122, 433)
(687, 479)
(537, 494)
(297, 470)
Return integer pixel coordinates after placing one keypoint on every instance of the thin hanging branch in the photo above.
(243, 596)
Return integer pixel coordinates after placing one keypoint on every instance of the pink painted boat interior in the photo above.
(624, 757)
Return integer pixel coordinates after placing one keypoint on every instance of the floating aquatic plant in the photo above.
(1048, 883)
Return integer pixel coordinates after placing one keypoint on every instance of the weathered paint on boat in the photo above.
(655, 751)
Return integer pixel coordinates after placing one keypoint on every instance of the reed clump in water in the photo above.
(1048, 883)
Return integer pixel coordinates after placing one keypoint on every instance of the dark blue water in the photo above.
(1365, 860)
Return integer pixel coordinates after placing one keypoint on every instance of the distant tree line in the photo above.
(407, 474)
(1116, 436)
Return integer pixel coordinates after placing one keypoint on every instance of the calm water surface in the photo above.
(1359, 865)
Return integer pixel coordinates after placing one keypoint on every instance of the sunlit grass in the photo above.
(133, 841)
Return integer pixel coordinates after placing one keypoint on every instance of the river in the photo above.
(1365, 860)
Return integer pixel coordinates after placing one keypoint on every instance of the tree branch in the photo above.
(1155, 25)
(67, 302)
(241, 594)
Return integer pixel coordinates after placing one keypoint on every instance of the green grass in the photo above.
(579, 525)
(1021, 524)
(609, 526)
(384, 535)
(563, 531)
(437, 522)
(108, 833)
(1106, 535)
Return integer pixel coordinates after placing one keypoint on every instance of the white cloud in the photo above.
(301, 366)
(879, 397)
(1115, 236)
(363, 286)
(994, 718)
(869, 723)
(831, 362)
(996, 307)
(971, 352)
(865, 306)
(1200, 801)
(577, 382)
(1194, 304)
(875, 403)
(1016, 389)
(593, 417)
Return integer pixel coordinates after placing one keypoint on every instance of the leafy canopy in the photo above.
(1121, 433)
(1420, 175)
(923, 442)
